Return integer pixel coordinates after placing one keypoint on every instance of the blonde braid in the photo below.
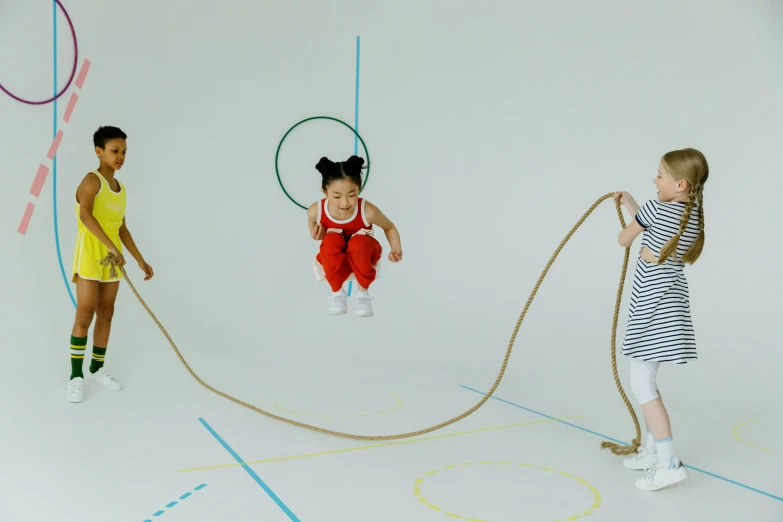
(695, 251)
(671, 246)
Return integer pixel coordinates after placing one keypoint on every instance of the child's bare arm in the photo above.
(376, 217)
(127, 240)
(316, 230)
(629, 233)
(85, 195)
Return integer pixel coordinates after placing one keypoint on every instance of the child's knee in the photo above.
(84, 315)
(333, 242)
(105, 312)
(362, 243)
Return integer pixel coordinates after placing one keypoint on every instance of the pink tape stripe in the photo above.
(40, 179)
(83, 73)
(28, 213)
(55, 145)
(71, 105)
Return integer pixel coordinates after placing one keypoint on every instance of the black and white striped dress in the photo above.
(659, 319)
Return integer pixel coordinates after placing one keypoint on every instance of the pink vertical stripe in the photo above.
(28, 213)
(83, 73)
(55, 145)
(40, 179)
(71, 105)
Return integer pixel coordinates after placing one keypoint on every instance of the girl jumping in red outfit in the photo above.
(343, 222)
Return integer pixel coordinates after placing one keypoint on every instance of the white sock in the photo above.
(649, 441)
(362, 293)
(339, 292)
(666, 454)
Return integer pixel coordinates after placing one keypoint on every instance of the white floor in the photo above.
(166, 448)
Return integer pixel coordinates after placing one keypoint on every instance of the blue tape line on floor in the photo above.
(174, 503)
(749, 488)
(250, 472)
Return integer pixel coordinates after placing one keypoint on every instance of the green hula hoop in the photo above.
(277, 155)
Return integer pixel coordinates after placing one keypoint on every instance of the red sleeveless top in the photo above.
(350, 226)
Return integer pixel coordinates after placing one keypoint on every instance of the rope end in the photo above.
(110, 259)
(619, 449)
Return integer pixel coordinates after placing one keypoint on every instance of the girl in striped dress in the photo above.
(659, 320)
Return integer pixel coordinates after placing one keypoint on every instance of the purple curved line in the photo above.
(73, 73)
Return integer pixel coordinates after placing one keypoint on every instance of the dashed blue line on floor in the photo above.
(174, 502)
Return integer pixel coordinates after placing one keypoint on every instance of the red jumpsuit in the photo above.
(347, 248)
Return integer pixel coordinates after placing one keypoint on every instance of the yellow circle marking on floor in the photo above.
(420, 497)
(325, 416)
(736, 429)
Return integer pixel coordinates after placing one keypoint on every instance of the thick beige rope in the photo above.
(617, 449)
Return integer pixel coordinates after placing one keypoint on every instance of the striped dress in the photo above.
(659, 318)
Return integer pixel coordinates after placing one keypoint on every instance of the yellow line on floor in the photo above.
(383, 444)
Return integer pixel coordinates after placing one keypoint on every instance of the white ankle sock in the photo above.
(362, 293)
(666, 454)
(339, 292)
(649, 441)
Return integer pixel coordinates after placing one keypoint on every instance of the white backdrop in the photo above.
(491, 128)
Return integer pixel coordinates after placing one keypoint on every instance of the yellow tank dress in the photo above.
(109, 210)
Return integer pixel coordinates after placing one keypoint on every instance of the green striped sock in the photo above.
(78, 347)
(98, 356)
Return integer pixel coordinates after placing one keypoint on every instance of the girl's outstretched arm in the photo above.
(376, 217)
(629, 233)
(127, 240)
(130, 244)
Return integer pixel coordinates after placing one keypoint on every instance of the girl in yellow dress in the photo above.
(100, 215)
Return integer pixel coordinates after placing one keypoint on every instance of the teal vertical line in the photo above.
(54, 162)
(356, 118)
(356, 100)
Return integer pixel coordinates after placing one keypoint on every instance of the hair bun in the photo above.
(324, 166)
(355, 161)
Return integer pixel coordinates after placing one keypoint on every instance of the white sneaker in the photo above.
(338, 303)
(656, 477)
(642, 459)
(363, 305)
(103, 379)
(76, 390)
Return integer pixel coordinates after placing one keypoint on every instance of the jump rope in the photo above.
(617, 449)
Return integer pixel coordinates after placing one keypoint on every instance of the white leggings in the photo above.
(643, 384)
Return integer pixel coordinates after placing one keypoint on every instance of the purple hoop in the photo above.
(73, 73)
